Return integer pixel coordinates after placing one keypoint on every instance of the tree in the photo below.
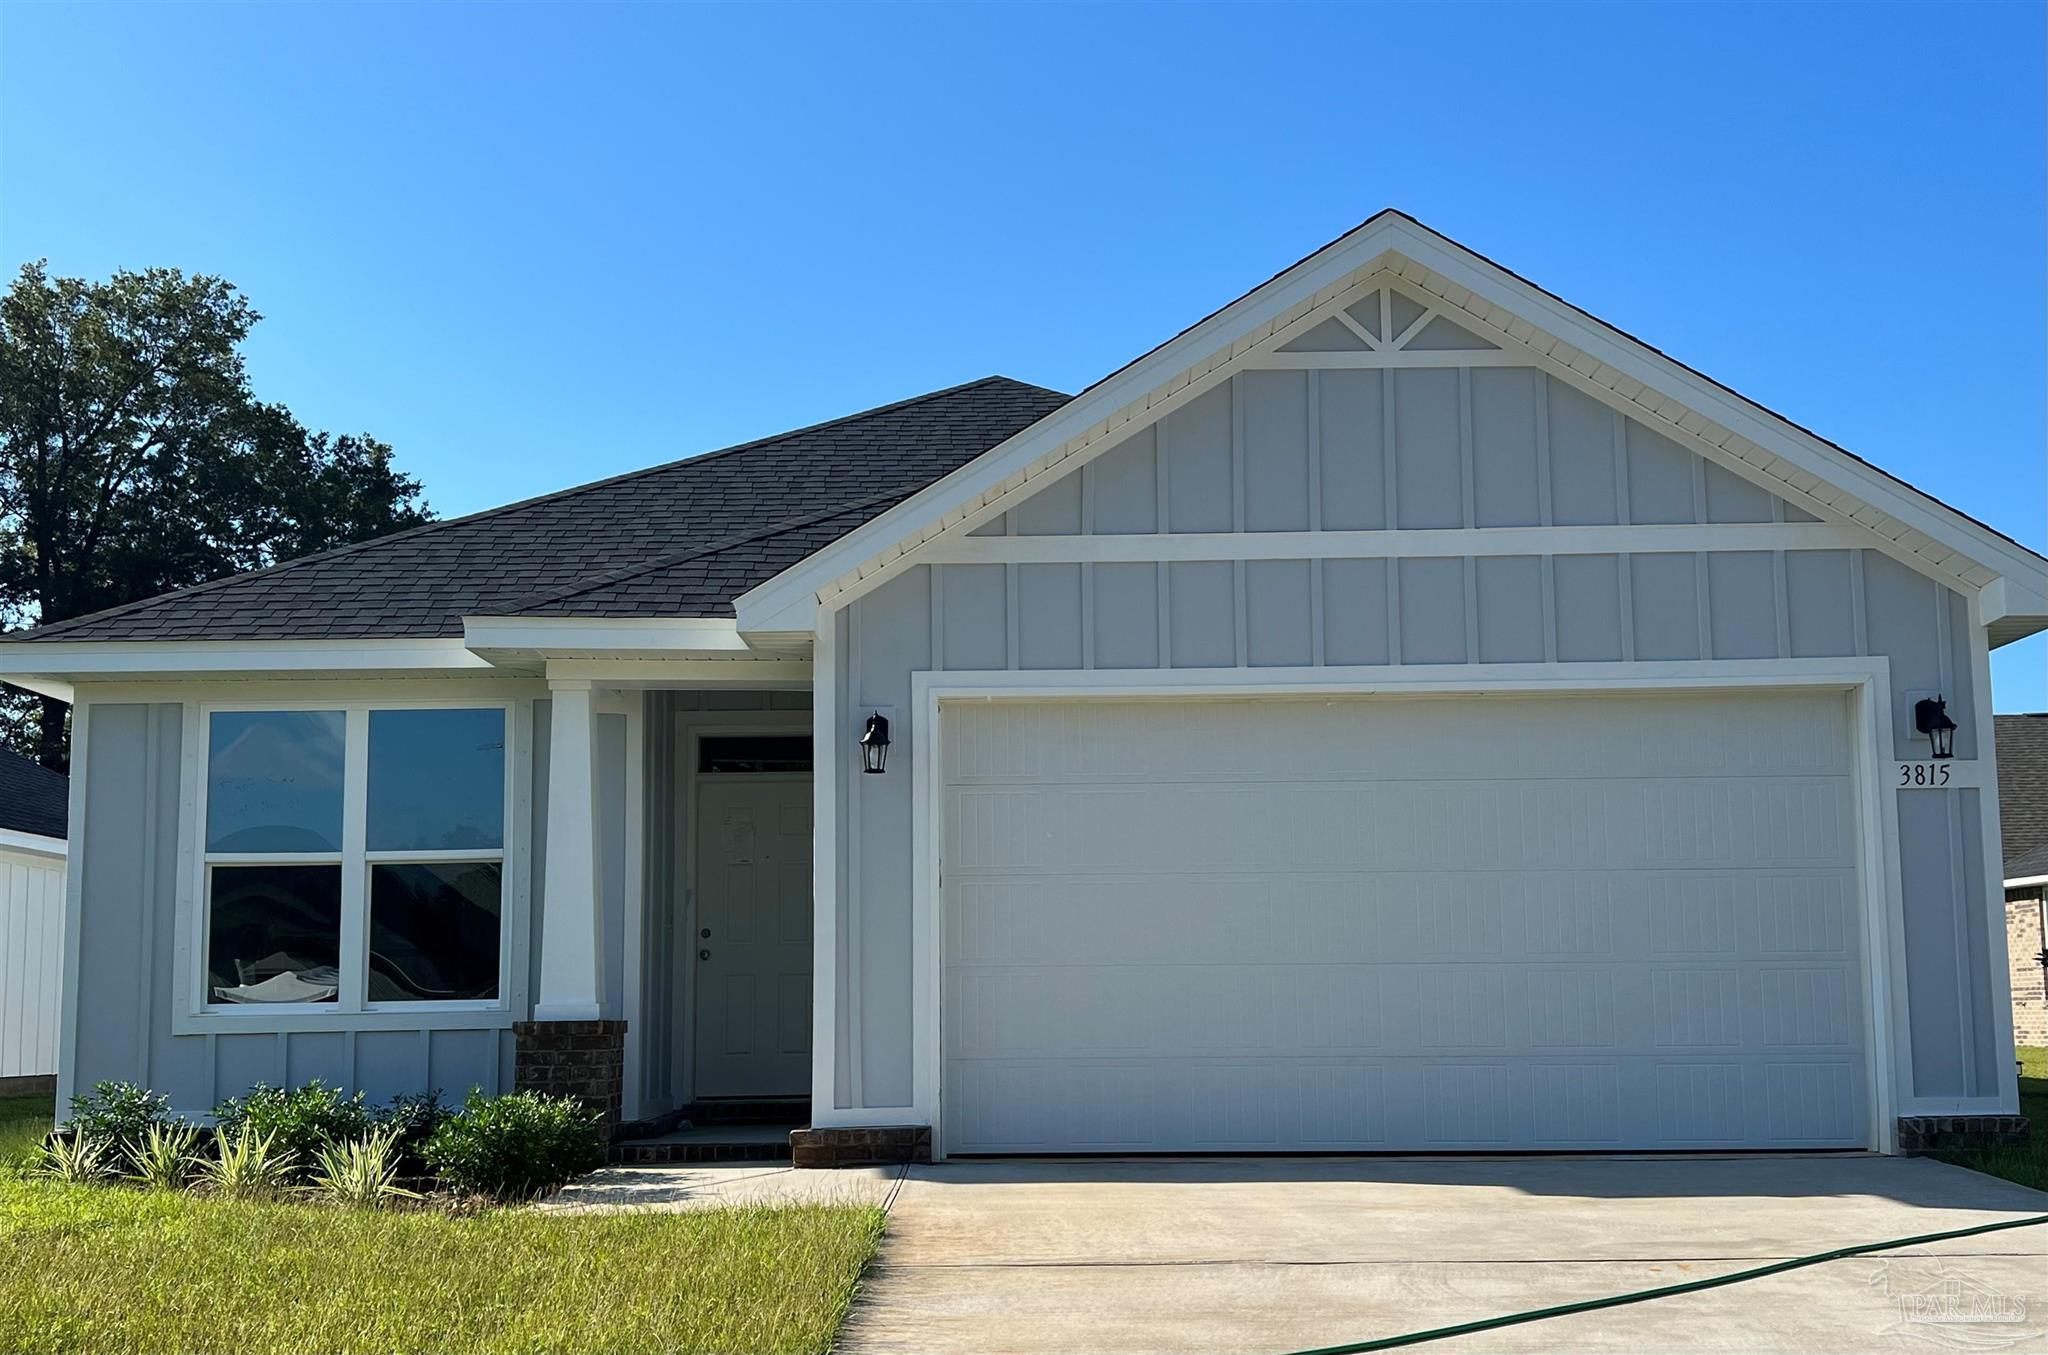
(135, 459)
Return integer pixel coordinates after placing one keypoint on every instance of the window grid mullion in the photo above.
(355, 872)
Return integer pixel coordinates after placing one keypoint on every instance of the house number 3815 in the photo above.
(1927, 775)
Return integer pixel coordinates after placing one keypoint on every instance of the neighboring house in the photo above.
(2023, 819)
(1400, 712)
(34, 803)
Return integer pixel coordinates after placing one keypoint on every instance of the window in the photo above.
(354, 858)
(754, 753)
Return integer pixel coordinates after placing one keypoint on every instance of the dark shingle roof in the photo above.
(2023, 793)
(33, 799)
(683, 539)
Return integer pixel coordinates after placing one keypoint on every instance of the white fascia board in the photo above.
(2027, 882)
(544, 637)
(35, 844)
(789, 601)
(69, 662)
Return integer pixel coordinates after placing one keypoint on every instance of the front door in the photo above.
(753, 938)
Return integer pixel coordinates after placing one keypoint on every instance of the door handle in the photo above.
(703, 954)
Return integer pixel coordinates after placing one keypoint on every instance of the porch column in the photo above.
(570, 942)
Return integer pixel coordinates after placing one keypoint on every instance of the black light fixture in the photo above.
(1930, 717)
(874, 745)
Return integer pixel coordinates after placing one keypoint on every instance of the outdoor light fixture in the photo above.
(874, 745)
(1930, 717)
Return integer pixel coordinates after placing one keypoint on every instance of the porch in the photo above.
(672, 985)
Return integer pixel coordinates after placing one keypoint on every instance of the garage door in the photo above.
(1614, 922)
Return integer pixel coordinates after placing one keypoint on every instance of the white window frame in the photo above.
(352, 1009)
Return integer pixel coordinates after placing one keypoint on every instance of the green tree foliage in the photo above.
(135, 459)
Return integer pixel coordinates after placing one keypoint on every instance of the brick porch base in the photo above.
(583, 1059)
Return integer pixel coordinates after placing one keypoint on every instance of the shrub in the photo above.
(78, 1159)
(166, 1157)
(246, 1166)
(363, 1173)
(413, 1120)
(515, 1147)
(119, 1113)
(299, 1122)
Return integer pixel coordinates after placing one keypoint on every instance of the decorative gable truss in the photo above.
(1393, 296)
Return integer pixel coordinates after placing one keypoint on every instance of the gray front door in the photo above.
(753, 941)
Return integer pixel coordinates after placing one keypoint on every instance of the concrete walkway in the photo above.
(1276, 1255)
(719, 1186)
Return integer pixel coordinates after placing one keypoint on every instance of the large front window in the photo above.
(354, 858)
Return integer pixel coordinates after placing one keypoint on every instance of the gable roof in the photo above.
(33, 799)
(682, 539)
(1505, 311)
(2023, 794)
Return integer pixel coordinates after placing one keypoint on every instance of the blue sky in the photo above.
(531, 246)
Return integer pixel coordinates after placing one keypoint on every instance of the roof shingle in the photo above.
(682, 539)
(2023, 793)
(33, 799)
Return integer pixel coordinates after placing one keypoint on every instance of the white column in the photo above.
(570, 944)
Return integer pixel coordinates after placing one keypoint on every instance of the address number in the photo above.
(1924, 775)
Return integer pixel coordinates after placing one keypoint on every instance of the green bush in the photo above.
(515, 1147)
(411, 1121)
(298, 1122)
(120, 1114)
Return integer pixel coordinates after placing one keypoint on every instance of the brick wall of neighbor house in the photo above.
(2023, 945)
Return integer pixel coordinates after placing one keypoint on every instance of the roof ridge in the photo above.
(56, 628)
(593, 582)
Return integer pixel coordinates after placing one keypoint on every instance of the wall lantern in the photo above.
(1930, 717)
(874, 745)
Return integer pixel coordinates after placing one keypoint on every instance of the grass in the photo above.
(2025, 1163)
(93, 1269)
(24, 1120)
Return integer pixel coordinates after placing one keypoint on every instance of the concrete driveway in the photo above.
(1256, 1256)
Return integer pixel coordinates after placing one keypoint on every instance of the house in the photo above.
(34, 802)
(2023, 818)
(1398, 712)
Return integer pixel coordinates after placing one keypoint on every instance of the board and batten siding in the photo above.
(31, 962)
(1364, 451)
(125, 950)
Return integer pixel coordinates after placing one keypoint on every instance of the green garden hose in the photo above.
(1642, 1295)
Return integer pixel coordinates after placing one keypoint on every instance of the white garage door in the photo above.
(1419, 924)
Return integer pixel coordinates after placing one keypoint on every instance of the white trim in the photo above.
(825, 774)
(632, 950)
(571, 635)
(1866, 680)
(749, 673)
(2027, 882)
(1921, 532)
(74, 906)
(189, 658)
(1685, 539)
(192, 1014)
(33, 843)
(1991, 862)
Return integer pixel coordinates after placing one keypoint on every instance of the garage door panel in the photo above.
(1156, 946)
(1148, 828)
(1708, 734)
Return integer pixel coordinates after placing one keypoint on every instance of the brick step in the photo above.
(675, 1150)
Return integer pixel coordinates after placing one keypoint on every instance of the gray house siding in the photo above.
(1371, 450)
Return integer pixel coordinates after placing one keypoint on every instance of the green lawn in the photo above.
(95, 1269)
(2026, 1164)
